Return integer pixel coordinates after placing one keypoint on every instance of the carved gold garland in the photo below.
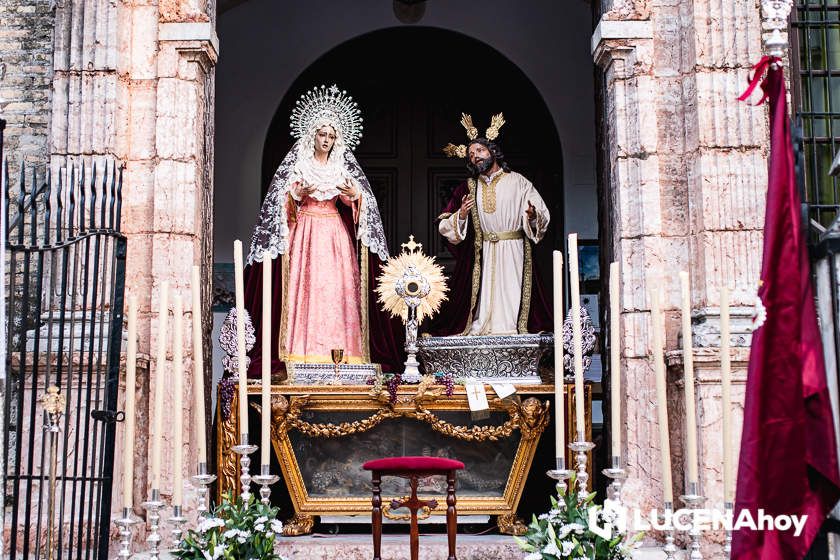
(531, 418)
(421, 402)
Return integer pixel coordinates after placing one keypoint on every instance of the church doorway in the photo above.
(412, 84)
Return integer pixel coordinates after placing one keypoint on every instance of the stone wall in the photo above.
(26, 57)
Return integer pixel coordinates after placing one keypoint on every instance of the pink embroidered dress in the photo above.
(323, 290)
(316, 244)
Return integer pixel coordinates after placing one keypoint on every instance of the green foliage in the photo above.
(563, 533)
(233, 530)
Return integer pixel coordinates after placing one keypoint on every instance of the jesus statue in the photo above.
(499, 214)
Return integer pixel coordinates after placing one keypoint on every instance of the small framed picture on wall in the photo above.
(589, 265)
(224, 289)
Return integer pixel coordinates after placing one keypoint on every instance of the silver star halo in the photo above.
(328, 103)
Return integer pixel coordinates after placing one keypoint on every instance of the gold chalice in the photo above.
(337, 358)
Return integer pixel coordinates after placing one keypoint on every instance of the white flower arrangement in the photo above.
(235, 529)
(563, 532)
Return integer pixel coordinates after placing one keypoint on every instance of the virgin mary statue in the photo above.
(321, 228)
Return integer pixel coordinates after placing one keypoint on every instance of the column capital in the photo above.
(618, 39)
(197, 40)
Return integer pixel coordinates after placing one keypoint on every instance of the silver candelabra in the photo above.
(243, 450)
(202, 480)
(618, 475)
(124, 523)
(265, 479)
(581, 447)
(670, 548)
(693, 500)
(153, 507)
(177, 520)
(561, 474)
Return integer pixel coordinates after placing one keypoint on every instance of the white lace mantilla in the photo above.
(271, 233)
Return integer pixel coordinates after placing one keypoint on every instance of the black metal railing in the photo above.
(815, 81)
(65, 281)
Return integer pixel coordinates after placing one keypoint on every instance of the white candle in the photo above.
(178, 390)
(160, 372)
(726, 398)
(688, 382)
(615, 362)
(559, 401)
(265, 426)
(577, 344)
(661, 398)
(240, 338)
(130, 408)
(198, 369)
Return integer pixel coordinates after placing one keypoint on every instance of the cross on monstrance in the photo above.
(411, 245)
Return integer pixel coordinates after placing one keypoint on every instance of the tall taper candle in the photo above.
(178, 390)
(240, 336)
(615, 362)
(160, 373)
(726, 398)
(688, 381)
(265, 426)
(577, 344)
(657, 328)
(200, 419)
(130, 407)
(559, 406)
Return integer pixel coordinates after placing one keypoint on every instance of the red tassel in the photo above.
(758, 77)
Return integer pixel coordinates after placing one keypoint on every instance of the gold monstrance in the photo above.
(412, 286)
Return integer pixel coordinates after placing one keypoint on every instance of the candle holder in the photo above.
(265, 479)
(728, 510)
(153, 507)
(561, 474)
(581, 447)
(618, 475)
(694, 500)
(124, 523)
(670, 549)
(244, 449)
(177, 520)
(202, 480)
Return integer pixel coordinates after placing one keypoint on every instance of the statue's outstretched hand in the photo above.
(531, 212)
(348, 190)
(467, 202)
(303, 189)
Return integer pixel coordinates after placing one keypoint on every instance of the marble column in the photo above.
(687, 173)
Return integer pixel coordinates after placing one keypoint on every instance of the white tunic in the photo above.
(502, 261)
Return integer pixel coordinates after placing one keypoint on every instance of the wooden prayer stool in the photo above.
(413, 468)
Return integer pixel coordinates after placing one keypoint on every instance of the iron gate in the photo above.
(65, 280)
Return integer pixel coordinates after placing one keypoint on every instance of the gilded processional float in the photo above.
(369, 355)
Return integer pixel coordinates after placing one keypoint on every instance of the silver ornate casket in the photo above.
(511, 358)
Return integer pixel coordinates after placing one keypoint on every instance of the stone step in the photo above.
(395, 547)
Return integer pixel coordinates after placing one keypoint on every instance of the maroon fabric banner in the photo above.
(788, 462)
